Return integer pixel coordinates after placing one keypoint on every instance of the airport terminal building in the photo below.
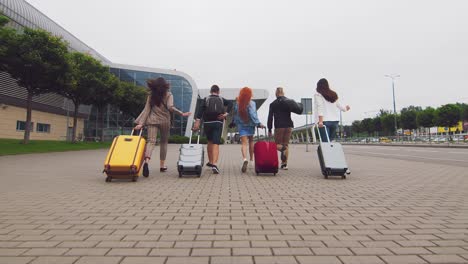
(52, 113)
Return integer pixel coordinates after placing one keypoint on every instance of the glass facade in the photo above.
(109, 120)
(180, 88)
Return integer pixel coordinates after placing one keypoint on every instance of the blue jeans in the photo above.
(331, 126)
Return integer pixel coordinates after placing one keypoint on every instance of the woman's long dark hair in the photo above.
(159, 88)
(324, 89)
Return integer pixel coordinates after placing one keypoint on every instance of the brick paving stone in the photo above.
(444, 259)
(149, 244)
(5, 244)
(163, 252)
(262, 244)
(306, 244)
(448, 250)
(408, 259)
(128, 252)
(5, 252)
(45, 252)
(252, 252)
(371, 251)
(275, 260)
(54, 260)
(201, 252)
(331, 251)
(100, 260)
(292, 251)
(38, 244)
(410, 251)
(318, 260)
(116, 244)
(361, 260)
(78, 244)
(15, 260)
(232, 260)
(194, 244)
(231, 244)
(87, 252)
(188, 260)
(143, 260)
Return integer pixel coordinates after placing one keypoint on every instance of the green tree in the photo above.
(367, 125)
(85, 73)
(356, 127)
(104, 94)
(131, 98)
(426, 118)
(408, 117)
(39, 65)
(377, 125)
(388, 123)
(448, 115)
(463, 111)
(8, 43)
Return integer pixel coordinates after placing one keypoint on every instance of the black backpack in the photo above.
(214, 106)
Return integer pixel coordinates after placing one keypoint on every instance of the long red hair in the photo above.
(243, 101)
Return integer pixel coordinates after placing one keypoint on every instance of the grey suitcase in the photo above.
(331, 157)
(191, 158)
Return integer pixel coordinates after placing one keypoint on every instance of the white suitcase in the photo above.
(331, 157)
(191, 158)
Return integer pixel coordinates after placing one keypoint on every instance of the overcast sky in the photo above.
(268, 43)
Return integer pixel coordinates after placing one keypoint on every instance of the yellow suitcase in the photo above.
(125, 157)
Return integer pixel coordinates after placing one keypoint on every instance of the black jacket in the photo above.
(201, 112)
(281, 113)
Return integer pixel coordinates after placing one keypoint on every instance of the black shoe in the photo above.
(163, 169)
(208, 164)
(215, 169)
(145, 170)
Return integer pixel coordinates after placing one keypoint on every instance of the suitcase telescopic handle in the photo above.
(326, 133)
(141, 131)
(198, 138)
(266, 134)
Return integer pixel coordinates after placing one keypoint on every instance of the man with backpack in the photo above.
(213, 112)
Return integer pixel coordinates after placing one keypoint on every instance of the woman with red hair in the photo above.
(246, 119)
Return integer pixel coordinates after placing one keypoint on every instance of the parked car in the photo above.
(385, 140)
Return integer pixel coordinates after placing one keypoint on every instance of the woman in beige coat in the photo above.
(157, 116)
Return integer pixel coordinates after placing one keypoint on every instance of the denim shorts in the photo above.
(213, 131)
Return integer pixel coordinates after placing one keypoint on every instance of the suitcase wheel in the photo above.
(274, 174)
(343, 177)
(180, 174)
(134, 178)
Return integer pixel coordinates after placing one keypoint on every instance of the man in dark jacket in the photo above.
(213, 112)
(280, 112)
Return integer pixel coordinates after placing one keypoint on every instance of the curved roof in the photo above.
(259, 95)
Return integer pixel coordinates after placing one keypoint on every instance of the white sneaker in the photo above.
(244, 165)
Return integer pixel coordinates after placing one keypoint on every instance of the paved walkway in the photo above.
(56, 208)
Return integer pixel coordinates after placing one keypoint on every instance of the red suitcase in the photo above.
(266, 156)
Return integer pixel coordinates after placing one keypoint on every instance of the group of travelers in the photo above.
(215, 109)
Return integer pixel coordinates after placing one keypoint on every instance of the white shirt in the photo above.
(328, 110)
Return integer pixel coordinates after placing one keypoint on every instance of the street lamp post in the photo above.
(393, 77)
